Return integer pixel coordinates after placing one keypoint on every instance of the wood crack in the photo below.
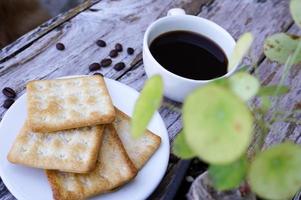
(290, 130)
(298, 138)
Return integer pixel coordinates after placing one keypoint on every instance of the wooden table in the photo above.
(34, 55)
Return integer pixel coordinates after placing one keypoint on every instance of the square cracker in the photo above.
(139, 150)
(61, 104)
(73, 150)
(114, 168)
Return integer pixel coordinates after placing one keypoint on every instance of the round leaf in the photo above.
(181, 148)
(217, 124)
(227, 177)
(295, 8)
(240, 50)
(146, 105)
(244, 85)
(275, 173)
(280, 46)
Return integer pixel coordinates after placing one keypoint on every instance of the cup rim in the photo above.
(146, 46)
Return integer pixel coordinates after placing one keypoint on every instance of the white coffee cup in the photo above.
(175, 86)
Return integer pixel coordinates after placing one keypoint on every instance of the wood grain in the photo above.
(34, 56)
(26, 40)
(262, 18)
(109, 18)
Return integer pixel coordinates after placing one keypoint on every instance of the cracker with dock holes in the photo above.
(61, 104)
(73, 150)
(119, 158)
(141, 149)
(114, 169)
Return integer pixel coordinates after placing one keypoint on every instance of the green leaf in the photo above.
(265, 103)
(295, 8)
(222, 82)
(275, 173)
(280, 46)
(181, 148)
(240, 50)
(227, 177)
(217, 124)
(244, 68)
(244, 85)
(146, 105)
(270, 90)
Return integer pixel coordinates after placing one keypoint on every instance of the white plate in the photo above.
(31, 184)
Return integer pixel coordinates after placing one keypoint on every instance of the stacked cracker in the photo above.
(75, 134)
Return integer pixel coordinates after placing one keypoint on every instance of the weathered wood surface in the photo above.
(114, 21)
(262, 19)
(26, 40)
(125, 21)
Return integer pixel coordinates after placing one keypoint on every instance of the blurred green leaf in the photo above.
(226, 177)
(222, 82)
(217, 124)
(265, 103)
(280, 46)
(244, 68)
(275, 172)
(270, 90)
(146, 105)
(244, 85)
(240, 50)
(295, 8)
(181, 148)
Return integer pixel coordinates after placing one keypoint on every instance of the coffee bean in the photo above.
(106, 62)
(101, 43)
(130, 51)
(9, 92)
(98, 74)
(7, 103)
(118, 47)
(113, 53)
(94, 66)
(60, 46)
(119, 66)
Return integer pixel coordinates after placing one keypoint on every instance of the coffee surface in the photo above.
(189, 55)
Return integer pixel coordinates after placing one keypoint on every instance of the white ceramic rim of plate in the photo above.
(164, 140)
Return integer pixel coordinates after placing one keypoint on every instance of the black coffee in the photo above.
(189, 55)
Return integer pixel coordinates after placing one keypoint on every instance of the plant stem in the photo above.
(263, 132)
(288, 64)
(263, 124)
(288, 120)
